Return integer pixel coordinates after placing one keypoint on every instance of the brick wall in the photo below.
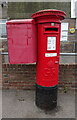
(19, 76)
(25, 9)
(24, 76)
(69, 45)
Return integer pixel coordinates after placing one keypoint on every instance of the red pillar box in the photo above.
(49, 25)
(21, 36)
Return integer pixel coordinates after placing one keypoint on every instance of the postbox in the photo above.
(21, 36)
(48, 27)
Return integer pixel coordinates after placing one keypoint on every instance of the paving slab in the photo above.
(21, 104)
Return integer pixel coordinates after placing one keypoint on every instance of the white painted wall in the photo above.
(73, 8)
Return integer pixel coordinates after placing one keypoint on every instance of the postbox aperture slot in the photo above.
(51, 29)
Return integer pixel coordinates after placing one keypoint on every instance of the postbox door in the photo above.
(52, 58)
(48, 55)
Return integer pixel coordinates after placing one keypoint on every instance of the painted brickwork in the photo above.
(25, 9)
(24, 76)
(3, 12)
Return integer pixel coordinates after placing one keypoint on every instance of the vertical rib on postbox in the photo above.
(49, 25)
(22, 44)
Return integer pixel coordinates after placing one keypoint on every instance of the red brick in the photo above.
(24, 76)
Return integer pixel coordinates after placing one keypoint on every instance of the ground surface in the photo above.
(21, 104)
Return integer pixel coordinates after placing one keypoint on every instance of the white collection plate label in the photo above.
(50, 54)
(51, 43)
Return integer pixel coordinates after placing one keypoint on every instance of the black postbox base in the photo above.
(46, 97)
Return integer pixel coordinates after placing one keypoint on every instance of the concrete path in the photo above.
(20, 104)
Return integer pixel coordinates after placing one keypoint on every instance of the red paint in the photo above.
(21, 36)
(47, 67)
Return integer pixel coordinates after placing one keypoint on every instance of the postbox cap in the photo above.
(50, 12)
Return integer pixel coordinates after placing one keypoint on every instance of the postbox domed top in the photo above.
(53, 13)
